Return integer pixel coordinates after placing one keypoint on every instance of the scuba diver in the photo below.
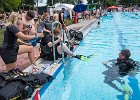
(124, 63)
(118, 68)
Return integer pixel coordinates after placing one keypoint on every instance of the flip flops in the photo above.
(35, 70)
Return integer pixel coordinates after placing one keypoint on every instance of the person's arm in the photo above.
(25, 37)
(15, 30)
(48, 40)
(55, 42)
(45, 30)
(20, 35)
(22, 42)
(108, 61)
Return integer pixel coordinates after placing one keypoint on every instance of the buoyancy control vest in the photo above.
(20, 87)
(127, 65)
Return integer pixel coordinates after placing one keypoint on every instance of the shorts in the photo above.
(9, 55)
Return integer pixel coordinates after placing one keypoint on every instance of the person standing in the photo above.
(55, 16)
(61, 18)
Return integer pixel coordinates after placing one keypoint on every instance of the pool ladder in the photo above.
(55, 24)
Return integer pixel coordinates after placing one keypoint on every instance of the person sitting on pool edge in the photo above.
(47, 47)
(11, 48)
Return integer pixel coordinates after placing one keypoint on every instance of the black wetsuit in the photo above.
(10, 47)
(48, 53)
(116, 69)
(125, 65)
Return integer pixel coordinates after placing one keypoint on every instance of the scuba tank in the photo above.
(126, 90)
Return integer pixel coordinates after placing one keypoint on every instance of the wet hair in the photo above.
(31, 14)
(126, 53)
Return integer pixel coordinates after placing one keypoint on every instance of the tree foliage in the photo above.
(29, 2)
(9, 5)
(129, 1)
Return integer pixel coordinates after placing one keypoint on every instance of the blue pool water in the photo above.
(84, 80)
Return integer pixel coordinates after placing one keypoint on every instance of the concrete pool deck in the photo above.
(54, 68)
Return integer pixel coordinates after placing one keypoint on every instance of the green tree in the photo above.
(29, 2)
(1, 5)
(129, 1)
(9, 5)
(13, 4)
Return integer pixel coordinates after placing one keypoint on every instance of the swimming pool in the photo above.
(84, 80)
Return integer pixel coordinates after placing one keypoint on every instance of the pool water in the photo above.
(85, 80)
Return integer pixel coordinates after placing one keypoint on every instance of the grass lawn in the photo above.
(68, 22)
(1, 37)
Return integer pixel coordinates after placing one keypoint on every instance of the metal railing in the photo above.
(56, 23)
(68, 37)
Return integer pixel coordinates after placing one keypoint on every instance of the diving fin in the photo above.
(85, 58)
(77, 56)
(81, 57)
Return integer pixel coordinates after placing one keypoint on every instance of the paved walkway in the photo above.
(23, 60)
(80, 24)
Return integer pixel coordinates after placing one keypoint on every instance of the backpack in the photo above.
(72, 33)
(79, 36)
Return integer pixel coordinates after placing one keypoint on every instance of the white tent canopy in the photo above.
(65, 6)
(68, 7)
